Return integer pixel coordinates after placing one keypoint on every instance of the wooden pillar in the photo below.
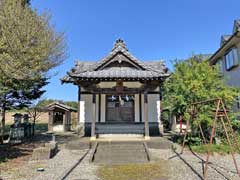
(93, 125)
(146, 123)
(160, 110)
(79, 99)
(99, 108)
(64, 121)
(140, 107)
(50, 121)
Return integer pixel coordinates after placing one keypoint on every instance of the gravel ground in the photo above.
(84, 171)
(188, 166)
(56, 168)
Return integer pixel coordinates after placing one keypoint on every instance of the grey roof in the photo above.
(119, 55)
(59, 105)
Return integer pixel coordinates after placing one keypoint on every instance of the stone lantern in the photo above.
(17, 119)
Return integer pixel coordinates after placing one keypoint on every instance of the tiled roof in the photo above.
(59, 105)
(119, 72)
(119, 54)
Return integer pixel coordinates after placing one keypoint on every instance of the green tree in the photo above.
(73, 104)
(45, 102)
(29, 48)
(194, 80)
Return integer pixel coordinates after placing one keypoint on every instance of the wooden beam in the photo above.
(124, 92)
(160, 93)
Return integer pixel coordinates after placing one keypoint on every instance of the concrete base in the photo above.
(46, 152)
(93, 138)
(81, 129)
(161, 130)
(153, 128)
(120, 137)
(147, 137)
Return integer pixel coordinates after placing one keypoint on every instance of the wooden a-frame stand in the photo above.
(220, 114)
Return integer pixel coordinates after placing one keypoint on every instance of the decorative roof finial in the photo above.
(120, 45)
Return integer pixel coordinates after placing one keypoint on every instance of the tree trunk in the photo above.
(3, 111)
(34, 121)
(181, 122)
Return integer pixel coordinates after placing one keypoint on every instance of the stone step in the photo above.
(123, 150)
(121, 143)
(119, 131)
(120, 161)
(120, 128)
(120, 152)
(120, 157)
(134, 146)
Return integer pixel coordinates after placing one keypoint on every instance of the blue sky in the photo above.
(152, 29)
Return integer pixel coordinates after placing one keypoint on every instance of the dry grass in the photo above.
(148, 171)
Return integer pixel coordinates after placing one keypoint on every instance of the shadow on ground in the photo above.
(12, 151)
(202, 161)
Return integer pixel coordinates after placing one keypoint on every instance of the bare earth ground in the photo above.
(167, 164)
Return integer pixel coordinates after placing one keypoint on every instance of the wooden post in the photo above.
(93, 126)
(79, 99)
(211, 140)
(140, 107)
(64, 121)
(185, 134)
(50, 121)
(146, 123)
(160, 126)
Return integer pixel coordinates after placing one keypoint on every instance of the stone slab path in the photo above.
(120, 153)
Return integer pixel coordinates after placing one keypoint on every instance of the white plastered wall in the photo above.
(154, 113)
(86, 108)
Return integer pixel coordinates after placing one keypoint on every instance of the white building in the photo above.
(119, 94)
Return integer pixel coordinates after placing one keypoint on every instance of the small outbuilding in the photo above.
(59, 117)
